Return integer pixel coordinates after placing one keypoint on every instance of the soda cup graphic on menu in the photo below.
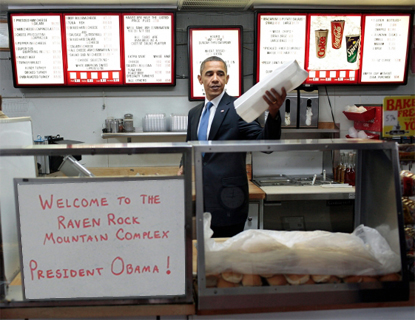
(352, 47)
(321, 42)
(337, 28)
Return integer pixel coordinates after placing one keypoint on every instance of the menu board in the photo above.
(333, 48)
(110, 238)
(149, 50)
(93, 48)
(224, 42)
(37, 49)
(386, 42)
(340, 48)
(281, 38)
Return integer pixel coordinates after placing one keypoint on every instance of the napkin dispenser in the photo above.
(251, 104)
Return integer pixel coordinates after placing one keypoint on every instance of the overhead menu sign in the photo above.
(148, 48)
(340, 48)
(93, 49)
(281, 38)
(334, 48)
(385, 52)
(102, 238)
(37, 47)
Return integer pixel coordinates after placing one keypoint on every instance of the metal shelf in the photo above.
(141, 134)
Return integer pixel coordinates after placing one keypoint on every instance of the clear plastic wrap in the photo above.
(363, 252)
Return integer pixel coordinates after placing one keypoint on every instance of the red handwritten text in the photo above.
(121, 220)
(82, 238)
(118, 267)
(38, 274)
(122, 235)
(77, 224)
(150, 199)
(68, 203)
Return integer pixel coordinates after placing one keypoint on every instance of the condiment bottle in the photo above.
(348, 171)
(343, 169)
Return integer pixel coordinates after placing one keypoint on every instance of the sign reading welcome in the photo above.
(102, 238)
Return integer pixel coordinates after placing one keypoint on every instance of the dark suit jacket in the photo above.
(225, 183)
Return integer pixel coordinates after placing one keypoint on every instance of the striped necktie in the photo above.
(204, 122)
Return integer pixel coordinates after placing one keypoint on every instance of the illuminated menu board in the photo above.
(386, 41)
(340, 48)
(281, 38)
(223, 42)
(92, 49)
(37, 49)
(333, 48)
(149, 51)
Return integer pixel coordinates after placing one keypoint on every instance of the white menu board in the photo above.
(281, 38)
(37, 46)
(222, 42)
(93, 48)
(148, 48)
(386, 40)
(107, 238)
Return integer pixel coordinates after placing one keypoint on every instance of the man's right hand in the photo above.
(180, 172)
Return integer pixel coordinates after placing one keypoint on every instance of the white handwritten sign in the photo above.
(111, 238)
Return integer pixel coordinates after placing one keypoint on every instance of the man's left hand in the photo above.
(274, 101)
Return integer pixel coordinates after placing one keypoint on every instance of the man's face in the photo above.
(213, 78)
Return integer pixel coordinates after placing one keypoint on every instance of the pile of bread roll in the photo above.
(232, 279)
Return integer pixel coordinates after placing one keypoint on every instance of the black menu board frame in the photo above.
(212, 31)
(352, 12)
(86, 77)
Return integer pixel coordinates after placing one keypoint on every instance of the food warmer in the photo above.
(377, 206)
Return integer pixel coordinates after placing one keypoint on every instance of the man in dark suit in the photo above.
(225, 183)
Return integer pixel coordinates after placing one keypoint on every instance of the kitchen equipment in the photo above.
(308, 109)
(301, 193)
(42, 161)
(55, 161)
(178, 122)
(154, 122)
(288, 111)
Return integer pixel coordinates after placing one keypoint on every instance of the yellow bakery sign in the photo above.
(399, 116)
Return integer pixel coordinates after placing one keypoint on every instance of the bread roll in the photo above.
(251, 280)
(353, 279)
(320, 278)
(310, 281)
(334, 279)
(233, 277)
(222, 283)
(277, 280)
(267, 275)
(212, 280)
(369, 279)
(296, 279)
(390, 277)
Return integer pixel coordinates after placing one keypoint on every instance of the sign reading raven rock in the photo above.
(102, 238)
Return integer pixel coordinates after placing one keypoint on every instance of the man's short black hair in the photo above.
(212, 58)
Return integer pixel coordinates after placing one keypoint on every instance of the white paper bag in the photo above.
(251, 105)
